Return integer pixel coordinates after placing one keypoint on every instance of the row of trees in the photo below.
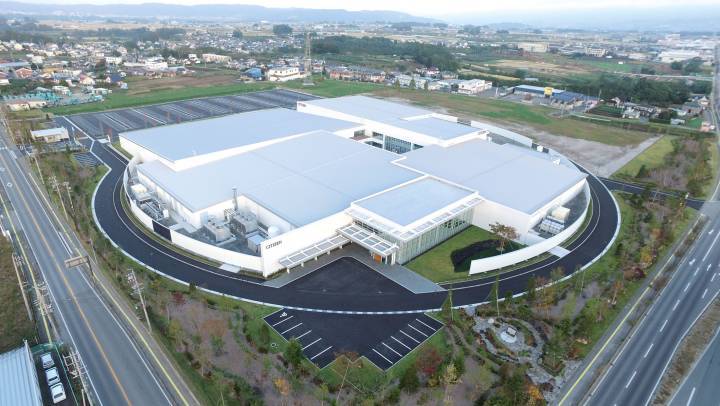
(638, 90)
(424, 54)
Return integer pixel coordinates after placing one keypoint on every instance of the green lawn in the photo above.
(695, 122)
(505, 112)
(15, 325)
(121, 98)
(333, 88)
(436, 265)
(653, 157)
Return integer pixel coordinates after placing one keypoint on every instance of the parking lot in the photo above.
(111, 123)
(382, 339)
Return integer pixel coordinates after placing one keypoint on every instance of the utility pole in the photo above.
(137, 288)
(17, 263)
(67, 189)
(77, 370)
(54, 183)
(42, 179)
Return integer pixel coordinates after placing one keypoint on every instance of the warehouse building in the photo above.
(269, 190)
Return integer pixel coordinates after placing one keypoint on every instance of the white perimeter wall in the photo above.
(511, 258)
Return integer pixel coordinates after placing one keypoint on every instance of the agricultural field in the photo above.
(16, 325)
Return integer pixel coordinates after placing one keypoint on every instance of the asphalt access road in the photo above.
(115, 222)
(621, 186)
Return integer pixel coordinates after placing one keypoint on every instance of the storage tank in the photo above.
(273, 231)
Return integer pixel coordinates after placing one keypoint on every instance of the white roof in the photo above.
(500, 173)
(302, 179)
(409, 203)
(18, 379)
(395, 114)
(49, 132)
(178, 141)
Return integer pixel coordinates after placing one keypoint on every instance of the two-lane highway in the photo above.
(120, 371)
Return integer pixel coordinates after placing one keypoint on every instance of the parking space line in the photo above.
(383, 357)
(410, 337)
(311, 343)
(291, 328)
(401, 343)
(320, 353)
(283, 320)
(303, 335)
(392, 349)
(418, 331)
(421, 322)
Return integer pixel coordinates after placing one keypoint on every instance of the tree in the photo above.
(396, 84)
(494, 294)
(293, 353)
(446, 310)
(412, 83)
(531, 290)
(504, 234)
(428, 361)
(237, 34)
(264, 337)
(676, 65)
(282, 30)
(409, 381)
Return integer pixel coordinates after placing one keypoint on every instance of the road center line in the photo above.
(704, 293)
(663, 326)
(676, 305)
(688, 284)
(696, 271)
(627, 385)
(648, 350)
(713, 277)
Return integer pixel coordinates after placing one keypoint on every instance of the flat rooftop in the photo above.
(503, 174)
(178, 141)
(302, 179)
(399, 115)
(414, 201)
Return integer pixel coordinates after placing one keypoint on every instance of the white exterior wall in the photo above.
(531, 251)
(275, 248)
(558, 201)
(488, 212)
(244, 261)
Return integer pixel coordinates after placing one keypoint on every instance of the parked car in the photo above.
(52, 377)
(57, 392)
(47, 360)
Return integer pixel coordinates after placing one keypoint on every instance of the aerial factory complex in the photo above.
(269, 190)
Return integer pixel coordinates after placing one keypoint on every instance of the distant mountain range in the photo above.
(225, 12)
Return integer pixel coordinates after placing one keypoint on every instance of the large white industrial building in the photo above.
(269, 190)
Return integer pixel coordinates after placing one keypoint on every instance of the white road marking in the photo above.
(711, 247)
(392, 349)
(711, 231)
(688, 284)
(696, 271)
(692, 261)
(421, 322)
(627, 385)
(713, 277)
(303, 334)
(291, 328)
(676, 305)
(401, 343)
(282, 321)
(410, 337)
(648, 350)
(383, 357)
(708, 267)
(692, 393)
(703, 295)
(417, 330)
(663, 326)
(320, 353)
(311, 343)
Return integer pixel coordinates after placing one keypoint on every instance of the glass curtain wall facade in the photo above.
(408, 250)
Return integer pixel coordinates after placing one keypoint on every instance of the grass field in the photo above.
(653, 157)
(436, 264)
(538, 118)
(15, 325)
(334, 88)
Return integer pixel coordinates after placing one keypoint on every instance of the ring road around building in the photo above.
(273, 190)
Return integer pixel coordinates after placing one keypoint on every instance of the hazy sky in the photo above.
(428, 8)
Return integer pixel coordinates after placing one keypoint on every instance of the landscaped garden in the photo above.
(451, 259)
